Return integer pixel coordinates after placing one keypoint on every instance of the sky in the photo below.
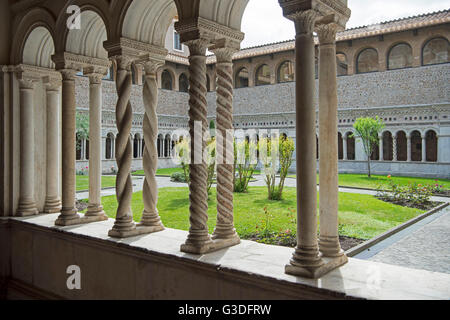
(263, 21)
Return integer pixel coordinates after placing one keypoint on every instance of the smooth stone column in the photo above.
(306, 260)
(52, 200)
(27, 203)
(328, 131)
(408, 148)
(69, 211)
(225, 169)
(394, 148)
(424, 149)
(198, 241)
(344, 147)
(95, 207)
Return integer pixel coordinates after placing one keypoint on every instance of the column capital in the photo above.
(304, 21)
(95, 73)
(224, 54)
(198, 47)
(327, 33)
(68, 74)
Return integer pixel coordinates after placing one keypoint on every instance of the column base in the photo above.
(52, 206)
(136, 231)
(210, 246)
(79, 220)
(330, 247)
(94, 211)
(224, 232)
(27, 209)
(316, 272)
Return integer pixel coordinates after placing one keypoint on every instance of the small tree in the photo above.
(368, 129)
(244, 163)
(271, 158)
(82, 127)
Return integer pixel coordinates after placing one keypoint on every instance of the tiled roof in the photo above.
(397, 25)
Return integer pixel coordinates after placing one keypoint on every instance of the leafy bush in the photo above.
(244, 163)
(412, 194)
(178, 177)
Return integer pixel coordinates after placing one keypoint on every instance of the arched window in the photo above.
(79, 147)
(86, 149)
(416, 146)
(241, 79)
(136, 146)
(317, 148)
(350, 146)
(375, 152)
(340, 147)
(159, 145)
(208, 84)
(431, 146)
(367, 61)
(133, 74)
(166, 80)
(286, 72)
(109, 146)
(342, 65)
(401, 146)
(388, 151)
(400, 56)
(183, 83)
(167, 146)
(262, 75)
(143, 146)
(436, 51)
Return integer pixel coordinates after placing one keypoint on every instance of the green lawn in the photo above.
(360, 216)
(83, 182)
(167, 172)
(362, 181)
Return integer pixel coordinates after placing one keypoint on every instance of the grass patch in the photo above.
(360, 216)
(167, 172)
(362, 181)
(83, 182)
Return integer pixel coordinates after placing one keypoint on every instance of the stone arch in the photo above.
(367, 60)
(262, 75)
(145, 21)
(436, 51)
(241, 79)
(402, 149)
(109, 146)
(136, 142)
(388, 146)
(32, 20)
(416, 146)
(97, 8)
(88, 41)
(39, 48)
(340, 147)
(285, 71)
(399, 56)
(431, 143)
(167, 79)
(351, 155)
(183, 82)
(159, 142)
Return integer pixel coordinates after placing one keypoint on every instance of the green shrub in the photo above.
(178, 177)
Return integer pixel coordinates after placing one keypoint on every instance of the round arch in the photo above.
(367, 60)
(285, 71)
(262, 75)
(399, 56)
(435, 50)
(241, 79)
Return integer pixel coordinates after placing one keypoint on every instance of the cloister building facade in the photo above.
(399, 55)
(44, 51)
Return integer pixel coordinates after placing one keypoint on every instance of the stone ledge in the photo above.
(251, 267)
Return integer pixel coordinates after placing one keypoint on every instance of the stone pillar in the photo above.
(344, 147)
(408, 148)
(52, 200)
(150, 216)
(198, 240)
(124, 225)
(424, 149)
(380, 147)
(68, 214)
(225, 168)
(95, 207)
(328, 145)
(306, 259)
(27, 203)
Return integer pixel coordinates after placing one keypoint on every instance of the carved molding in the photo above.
(134, 50)
(327, 33)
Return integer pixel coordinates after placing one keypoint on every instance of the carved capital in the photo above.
(152, 66)
(51, 84)
(68, 74)
(224, 55)
(197, 47)
(304, 21)
(123, 62)
(327, 33)
(95, 73)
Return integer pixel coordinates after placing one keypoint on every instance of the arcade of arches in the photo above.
(123, 42)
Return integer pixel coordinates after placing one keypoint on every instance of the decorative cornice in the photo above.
(134, 50)
(28, 73)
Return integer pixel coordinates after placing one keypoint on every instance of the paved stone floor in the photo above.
(424, 245)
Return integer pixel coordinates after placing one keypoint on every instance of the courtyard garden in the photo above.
(361, 217)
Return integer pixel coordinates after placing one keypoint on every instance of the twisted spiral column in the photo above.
(224, 118)
(150, 216)
(198, 194)
(124, 114)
